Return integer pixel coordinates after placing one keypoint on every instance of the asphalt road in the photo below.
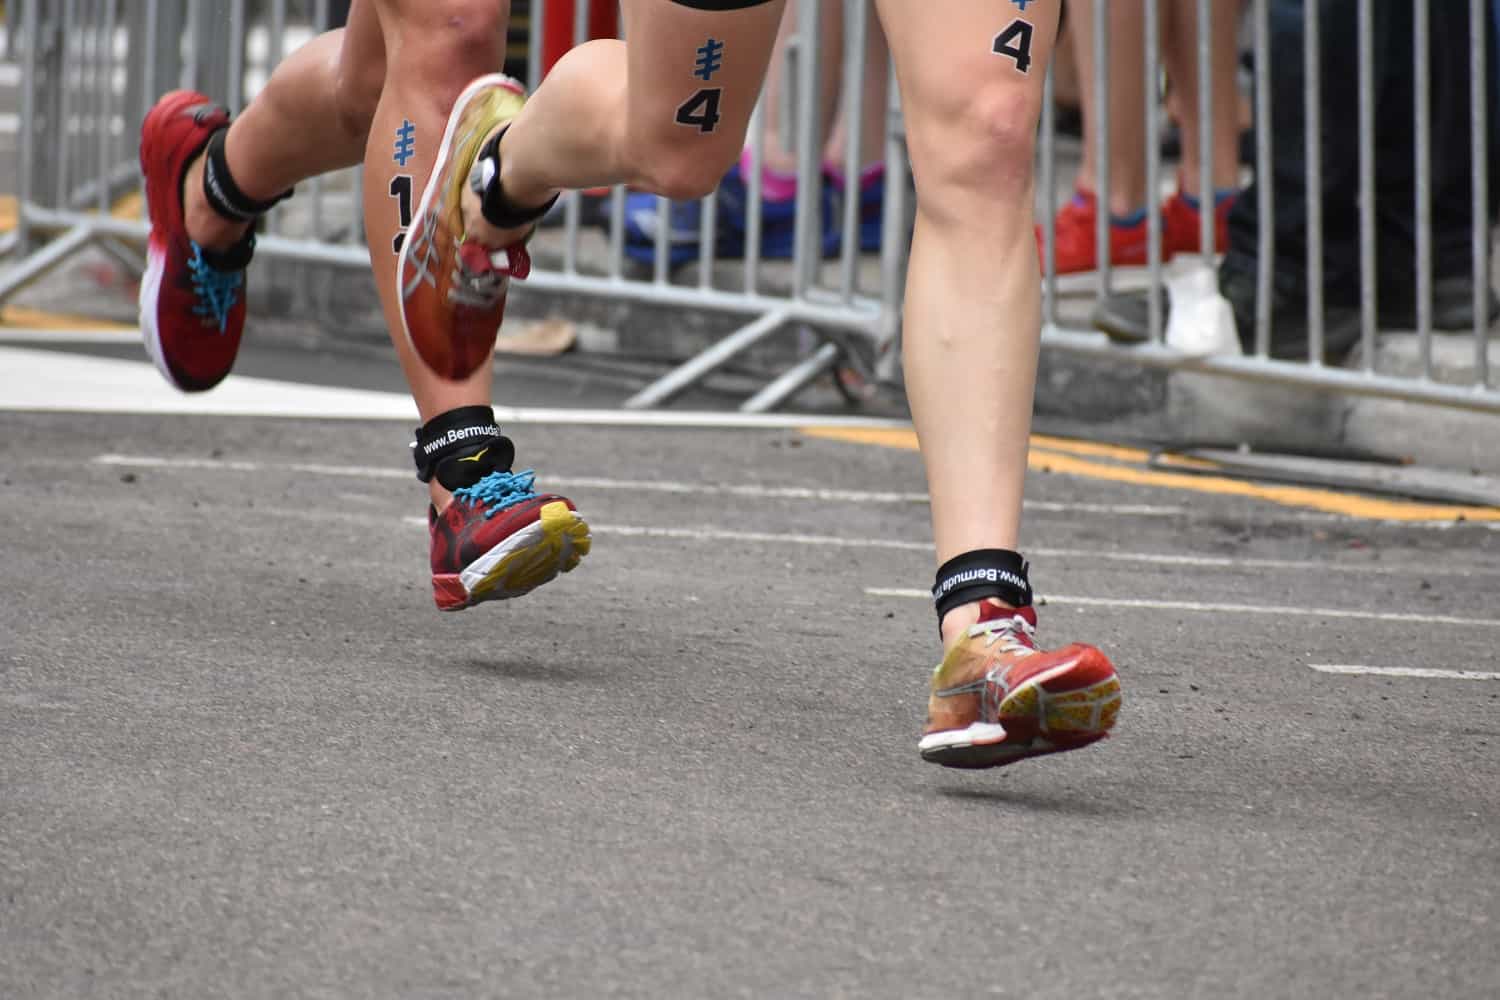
(242, 755)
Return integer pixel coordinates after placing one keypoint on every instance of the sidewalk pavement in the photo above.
(1101, 397)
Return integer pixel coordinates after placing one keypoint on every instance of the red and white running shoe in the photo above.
(192, 299)
(499, 539)
(997, 698)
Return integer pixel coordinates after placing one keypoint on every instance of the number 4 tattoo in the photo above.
(701, 110)
(1015, 42)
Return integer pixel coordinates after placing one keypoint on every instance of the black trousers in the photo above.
(1395, 139)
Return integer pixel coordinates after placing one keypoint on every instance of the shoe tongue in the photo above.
(991, 610)
(467, 466)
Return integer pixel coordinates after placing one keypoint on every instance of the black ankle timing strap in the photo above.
(461, 447)
(978, 574)
(484, 180)
(223, 194)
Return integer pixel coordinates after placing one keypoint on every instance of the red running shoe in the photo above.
(997, 698)
(1074, 228)
(452, 288)
(498, 539)
(1182, 225)
(192, 299)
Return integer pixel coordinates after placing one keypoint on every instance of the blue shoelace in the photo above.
(498, 491)
(216, 290)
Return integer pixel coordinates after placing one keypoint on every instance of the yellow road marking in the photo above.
(130, 206)
(1091, 448)
(39, 319)
(1048, 455)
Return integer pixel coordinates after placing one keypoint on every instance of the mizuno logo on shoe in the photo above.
(475, 458)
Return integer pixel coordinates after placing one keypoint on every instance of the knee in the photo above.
(682, 171)
(979, 148)
(450, 42)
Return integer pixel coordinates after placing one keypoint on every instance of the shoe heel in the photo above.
(555, 544)
(1081, 715)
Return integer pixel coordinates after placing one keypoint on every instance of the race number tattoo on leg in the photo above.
(1015, 41)
(701, 111)
(404, 149)
(406, 142)
(401, 191)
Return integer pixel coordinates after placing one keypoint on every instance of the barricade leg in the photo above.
(686, 375)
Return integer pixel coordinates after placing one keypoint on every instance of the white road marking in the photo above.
(25, 335)
(751, 491)
(1234, 609)
(1149, 558)
(1430, 672)
(10, 123)
(631, 485)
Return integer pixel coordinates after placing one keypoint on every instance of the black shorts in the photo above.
(720, 4)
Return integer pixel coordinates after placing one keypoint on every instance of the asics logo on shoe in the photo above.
(422, 255)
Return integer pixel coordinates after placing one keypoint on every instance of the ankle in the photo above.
(518, 195)
(206, 227)
(958, 621)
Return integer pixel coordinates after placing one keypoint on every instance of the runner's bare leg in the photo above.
(313, 116)
(971, 79)
(339, 101)
(665, 113)
(434, 50)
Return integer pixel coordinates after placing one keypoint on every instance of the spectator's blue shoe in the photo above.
(871, 214)
(684, 220)
(684, 229)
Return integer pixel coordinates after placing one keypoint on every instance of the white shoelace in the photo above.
(1015, 634)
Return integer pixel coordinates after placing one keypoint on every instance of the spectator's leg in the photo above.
(1451, 190)
(1288, 178)
(780, 157)
(1180, 55)
(872, 103)
(1127, 101)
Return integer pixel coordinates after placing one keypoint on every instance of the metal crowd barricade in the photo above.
(1479, 394)
(91, 68)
